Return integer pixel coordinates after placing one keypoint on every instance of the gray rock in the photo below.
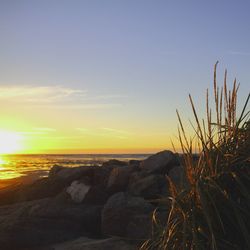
(177, 175)
(67, 174)
(140, 227)
(149, 187)
(120, 210)
(54, 170)
(90, 244)
(42, 188)
(59, 178)
(160, 163)
(43, 222)
(135, 164)
(97, 195)
(114, 163)
(78, 190)
(118, 179)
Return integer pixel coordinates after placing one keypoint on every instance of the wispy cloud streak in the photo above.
(105, 132)
(57, 97)
(38, 94)
(239, 53)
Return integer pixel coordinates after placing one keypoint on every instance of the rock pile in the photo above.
(114, 200)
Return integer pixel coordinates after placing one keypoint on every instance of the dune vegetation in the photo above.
(213, 210)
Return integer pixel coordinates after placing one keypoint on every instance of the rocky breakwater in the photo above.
(107, 207)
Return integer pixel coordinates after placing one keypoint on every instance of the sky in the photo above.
(107, 76)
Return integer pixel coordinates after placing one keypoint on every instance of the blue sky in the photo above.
(121, 65)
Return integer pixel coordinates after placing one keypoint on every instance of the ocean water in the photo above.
(15, 166)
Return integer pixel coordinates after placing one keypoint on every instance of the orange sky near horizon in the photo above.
(41, 140)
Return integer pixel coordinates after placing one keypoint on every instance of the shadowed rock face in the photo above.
(118, 179)
(120, 210)
(114, 163)
(148, 187)
(177, 175)
(77, 190)
(42, 222)
(159, 163)
(82, 243)
(59, 179)
(42, 188)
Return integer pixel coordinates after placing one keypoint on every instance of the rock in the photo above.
(63, 198)
(81, 192)
(40, 189)
(83, 243)
(97, 195)
(159, 163)
(177, 175)
(118, 179)
(134, 177)
(54, 170)
(119, 210)
(60, 179)
(135, 164)
(101, 176)
(37, 223)
(8, 195)
(140, 227)
(68, 175)
(94, 174)
(114, 163)
(78, 190)
(149, 187)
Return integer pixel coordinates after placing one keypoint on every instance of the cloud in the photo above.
(105, 132)
(57, 97)
(38, 94)
(105, 97)
(239, 53)
(45, 129)
(116, 131)
(38, 131)
(91, 106)
(32, 133)
(83, 130)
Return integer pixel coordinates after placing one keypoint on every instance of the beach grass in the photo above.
(213, 211)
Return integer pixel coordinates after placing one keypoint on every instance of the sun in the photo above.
(10, 142)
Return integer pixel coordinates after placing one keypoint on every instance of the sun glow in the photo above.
(10, 142)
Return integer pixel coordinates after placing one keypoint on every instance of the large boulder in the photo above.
(94, 174)
(178, 177)
(83, 243)
(39, 189)
(118, 179)
(68, 174)
(72, 181)
(140, 227)
(120, 210)
(159, 163)
(114, 163)
(42, 222)
(97, 195)
(149, 187)
(134, 163)
(78, 190)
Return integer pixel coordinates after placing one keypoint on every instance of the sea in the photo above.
(36, 166)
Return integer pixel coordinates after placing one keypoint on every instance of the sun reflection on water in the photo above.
(5, 172)
(1, 161)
